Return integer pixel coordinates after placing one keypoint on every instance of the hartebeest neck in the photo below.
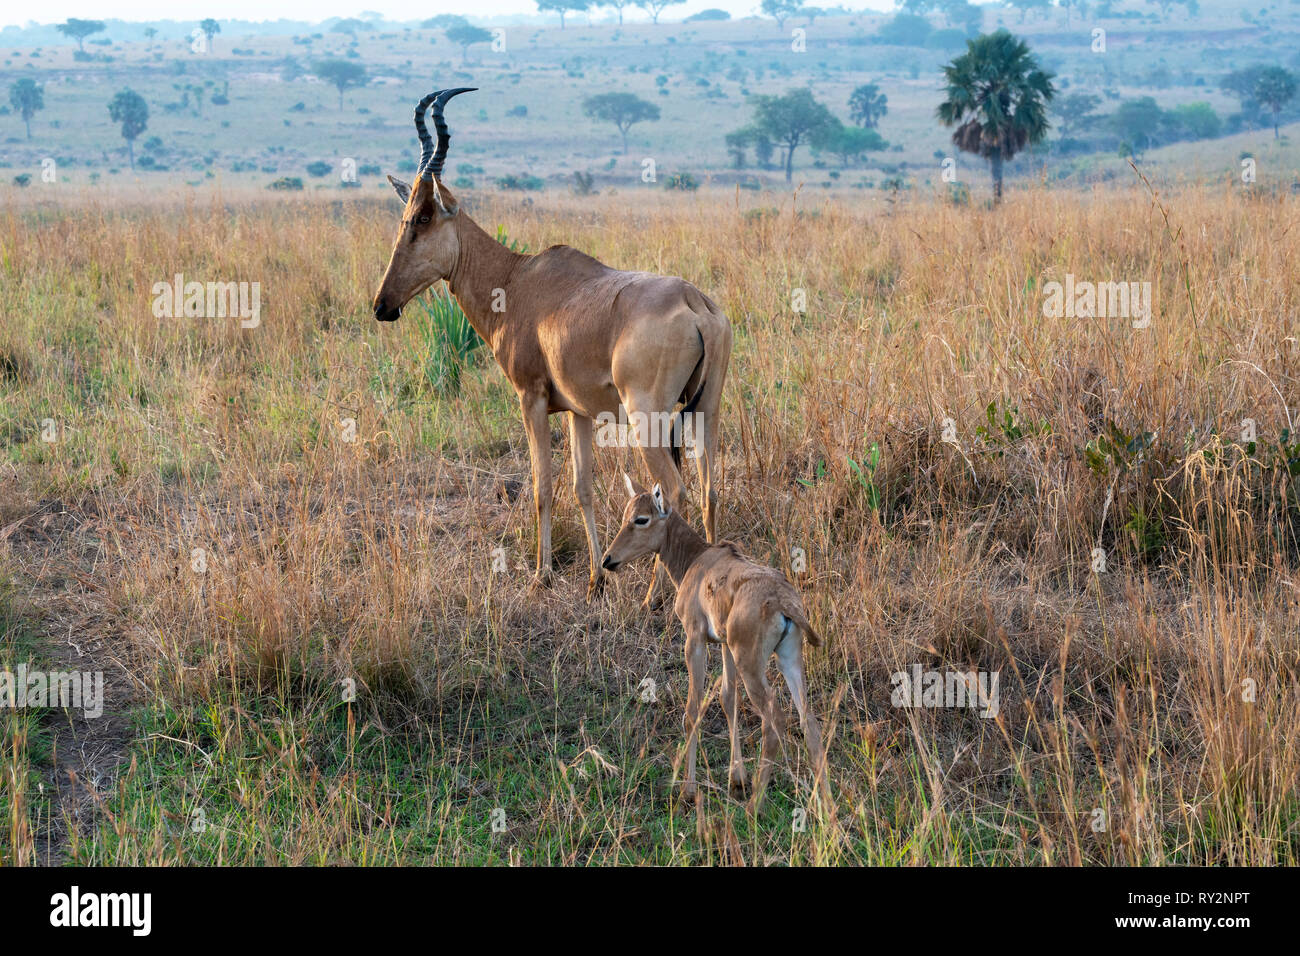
(481, 276)
(682, 545)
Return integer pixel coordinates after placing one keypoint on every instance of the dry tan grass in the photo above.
(372, 560)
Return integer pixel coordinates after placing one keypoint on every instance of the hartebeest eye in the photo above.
(423, 219)
(642, 521)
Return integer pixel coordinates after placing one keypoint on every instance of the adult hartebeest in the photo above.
(571, 334)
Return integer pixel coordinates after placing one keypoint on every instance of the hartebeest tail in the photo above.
(749, 609)
(571, 334)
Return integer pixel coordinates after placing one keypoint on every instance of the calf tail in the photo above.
(795, 617)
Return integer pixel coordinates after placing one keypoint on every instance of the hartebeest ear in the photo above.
(633, 489)
(403, 189)
(660, 504)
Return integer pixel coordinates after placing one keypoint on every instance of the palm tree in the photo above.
(998, 94)
(867, 105)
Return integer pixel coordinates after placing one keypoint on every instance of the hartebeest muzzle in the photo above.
(386, 314)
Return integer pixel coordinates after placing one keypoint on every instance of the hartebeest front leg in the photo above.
(537, 424)
(583, 454)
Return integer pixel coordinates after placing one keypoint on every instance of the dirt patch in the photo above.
(53, 550)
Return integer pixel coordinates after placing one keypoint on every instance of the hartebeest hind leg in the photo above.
(705, 441)
(583, 454)
(659, 462)
(537, 424)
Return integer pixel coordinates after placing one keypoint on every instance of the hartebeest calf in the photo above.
(749, 609)
(571, 334)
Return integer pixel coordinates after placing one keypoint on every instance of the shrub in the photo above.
(906, 29)
(522, 182)
(286, 183)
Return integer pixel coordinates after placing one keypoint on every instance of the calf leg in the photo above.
(789, 657)
(753, 670)
(730, 702)
(697, 659)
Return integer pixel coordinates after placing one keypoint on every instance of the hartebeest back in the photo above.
(571, 334)
(749, 609)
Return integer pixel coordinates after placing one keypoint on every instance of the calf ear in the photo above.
(403, 189)
(633, 489)
(663, 507)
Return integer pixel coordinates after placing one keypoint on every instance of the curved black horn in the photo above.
(426, 141)
(434, 169)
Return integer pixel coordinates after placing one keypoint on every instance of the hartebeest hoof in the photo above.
(542, 579)
(653, 602)
(736, 784)
(594, 587)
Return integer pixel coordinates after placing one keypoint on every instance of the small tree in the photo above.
(443, 21)
(618, 5)
(1198, 120)
(790, 120)
(1274, 89)
(1076, 111)
(210, 29)
(867, 105)
(342, 74)
(27, 96)
(1135, 121)
(563, 7)
(738, 142)
(80, 29)
(781, 10)
(847, 142)
(466, 35)
(622, 109)
(963, 14)
(149, 34)
(129, 108)
(1024, 6)
(997, 97)
(656, 7)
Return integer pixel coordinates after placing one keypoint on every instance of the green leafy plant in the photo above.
(865, 472)
(449, 340)
(1008, 427)
(1116, 449)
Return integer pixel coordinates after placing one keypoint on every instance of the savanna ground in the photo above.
(1161, 691)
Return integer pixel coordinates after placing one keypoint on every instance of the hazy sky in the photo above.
(56, 11)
